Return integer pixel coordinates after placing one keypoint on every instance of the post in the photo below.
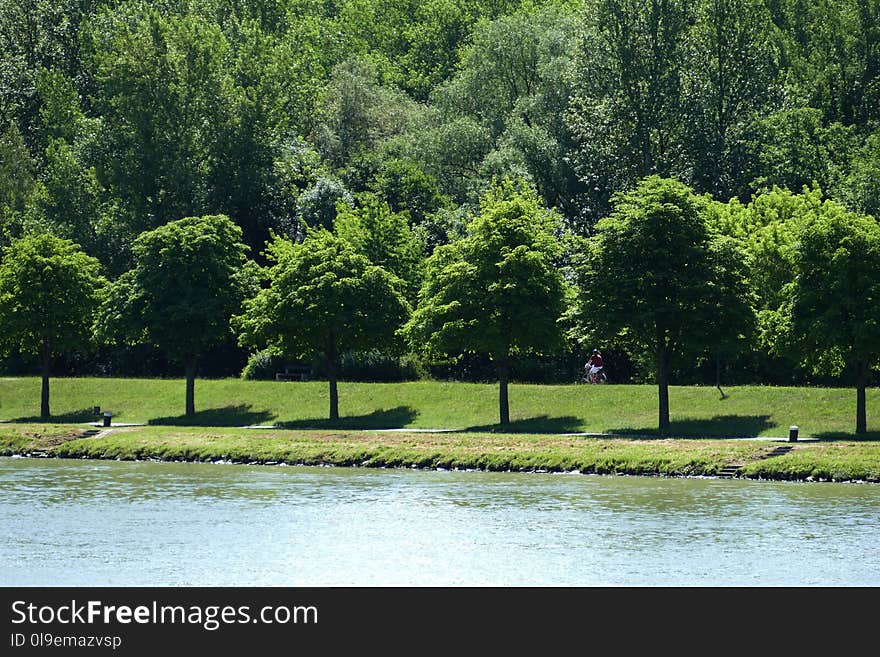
(792, 434)
(107, 416)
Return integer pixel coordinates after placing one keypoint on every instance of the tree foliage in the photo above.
(189, 278)
(323, 298)
(658, 280)
(49, 290)
(497, 291)
(835, 296)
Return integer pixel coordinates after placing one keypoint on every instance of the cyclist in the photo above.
(593, 366)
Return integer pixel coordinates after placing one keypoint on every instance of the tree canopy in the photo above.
(835, 297)
(497, 291)
(656, 279)
(322, 298)
(188, 280)
(49, 290)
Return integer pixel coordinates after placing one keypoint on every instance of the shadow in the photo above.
(539, 424)
(72, 417)
(720, 426)
(830, 436)
(392, 418)
(226, 416)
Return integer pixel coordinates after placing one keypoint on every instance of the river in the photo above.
(108, 523)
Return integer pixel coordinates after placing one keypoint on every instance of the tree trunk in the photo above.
(861, 384)
(503, 405)
(718, 374)
(45, 365)
(662, 380)
(330, 361)
(190, 368)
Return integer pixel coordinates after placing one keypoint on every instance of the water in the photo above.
(101, 523)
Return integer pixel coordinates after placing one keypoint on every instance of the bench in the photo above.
(294, 373)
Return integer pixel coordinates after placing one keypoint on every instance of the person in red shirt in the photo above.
(593, 366)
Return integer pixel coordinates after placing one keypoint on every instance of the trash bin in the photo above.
(107, 417)
(792, 434)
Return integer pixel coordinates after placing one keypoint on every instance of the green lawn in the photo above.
(623, 409)
(833, 461)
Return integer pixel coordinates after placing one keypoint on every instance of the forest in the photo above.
(477, 190)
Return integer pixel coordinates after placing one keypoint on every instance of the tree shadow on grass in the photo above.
(539, 424)
(392, 418)
(226, 416)
(830, 436)
(71, 417)
(720, 426)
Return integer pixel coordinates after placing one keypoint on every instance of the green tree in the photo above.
(49, 289)
(17, 184)
(835, 297)
(860, 190)
(323, 299)
(405, 186)
(358, 114)
(730, 80)
(513, 80)
(657, 280)
(498, 290)
(627, 109)
(163, 96)
(190, 276)
(384, 237)
(839, 71)
(794, 149)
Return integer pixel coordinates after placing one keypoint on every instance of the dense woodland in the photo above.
(405, 128)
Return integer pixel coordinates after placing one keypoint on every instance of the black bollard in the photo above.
(107, 417)
(792, 434)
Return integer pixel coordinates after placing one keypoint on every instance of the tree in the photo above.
(861, 188)
(497, 291)
(656, 279)
(163, 95)
(835, 297)
(49, 289)
(384, 237)
(768, 230)
(794, 149)
(17, 183)
(731, 79)
(627, 109)
(512, 79)
(323, 298)
(190, 276)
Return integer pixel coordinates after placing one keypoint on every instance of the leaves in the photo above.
(49, 290)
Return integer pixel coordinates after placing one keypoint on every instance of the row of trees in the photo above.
(117, 117)
(669, 274)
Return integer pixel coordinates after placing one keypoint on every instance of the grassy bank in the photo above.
(832, 461)
(621, 409)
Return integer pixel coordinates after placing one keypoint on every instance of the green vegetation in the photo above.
(48, 291)
(496, 291)
(188, 280)
(323, 297)
(499, 452)
(659, 282)
(626, 409)
(684, 150)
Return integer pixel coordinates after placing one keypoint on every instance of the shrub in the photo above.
(263, 365)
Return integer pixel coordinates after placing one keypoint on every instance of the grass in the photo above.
(538, 437)
(843, 461)
(617, 409)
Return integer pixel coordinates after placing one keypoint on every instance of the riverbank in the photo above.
(841, 461)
